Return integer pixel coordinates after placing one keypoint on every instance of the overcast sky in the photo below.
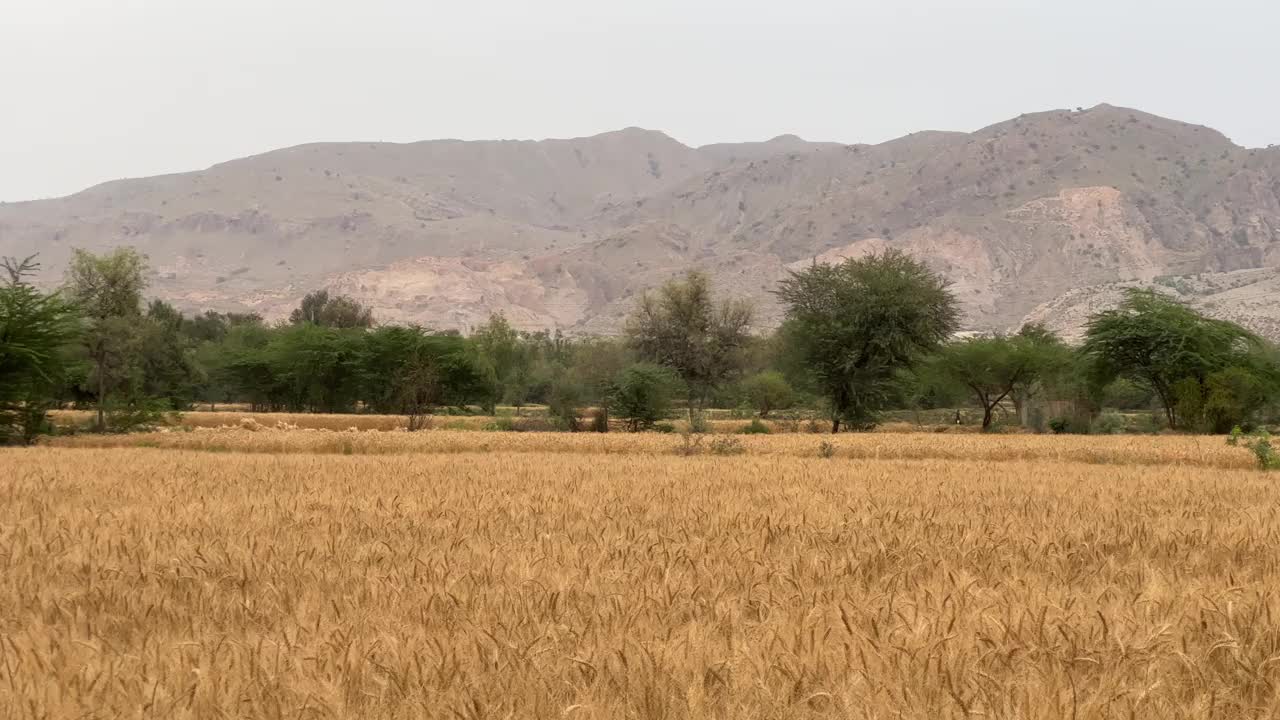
(93, 90)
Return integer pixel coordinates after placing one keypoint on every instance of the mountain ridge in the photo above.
(1024, 216)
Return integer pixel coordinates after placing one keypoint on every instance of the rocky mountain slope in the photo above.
(1042, 217)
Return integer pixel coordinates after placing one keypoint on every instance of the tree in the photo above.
(858, 323)
(35, 330)
(501, 347)
(1166, 346)
(167, 356)
(642, 395)
(768, 391)
(342, 312)
(685, 329)
(107, 290)
(438, 371)
(994, 369)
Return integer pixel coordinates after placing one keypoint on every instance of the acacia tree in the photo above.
(997, 368)
(1166, 346)
(334, 311)
(684, 328)
(858, 323)
(35, 329)
(107, 289)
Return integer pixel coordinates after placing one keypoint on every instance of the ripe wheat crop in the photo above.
(513, 583)
(1178, 450)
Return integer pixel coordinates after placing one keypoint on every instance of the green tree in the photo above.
(858, 323)
(994, 369)
(107, 289)
(331, 311)
(167, 355)
(642, 395)
(499, 345)
(1166, 346)
(317, 366)
(768, 391)
(35, 330)
(684, 328)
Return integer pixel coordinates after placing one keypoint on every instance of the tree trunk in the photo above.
(986, 417)
(835, 425)
(102, 396)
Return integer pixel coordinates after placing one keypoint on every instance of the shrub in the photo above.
(1109, 423)
(664, 427)
(727, 446)
(1259, 444)
(502, 424)
(698, 423)
(690, 443)
(139, 416)
(768, 391)
(1059, 425)
(642, 396)
(826, 450)
(755, 427)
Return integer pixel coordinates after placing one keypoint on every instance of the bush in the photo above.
(502, 424)
(1259, 444)
(138, 416)
(642, 396)
(665, 428)
(690, 443)
(768, 391)
(826, 450)
(1059, 425)
(755, 427)
(698, 423)
(1109, 423)
(727, 446)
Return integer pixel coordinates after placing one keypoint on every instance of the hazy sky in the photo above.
(92, 90)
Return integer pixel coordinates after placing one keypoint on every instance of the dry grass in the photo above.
(1194, 451)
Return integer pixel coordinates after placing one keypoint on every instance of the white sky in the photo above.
(93, 90)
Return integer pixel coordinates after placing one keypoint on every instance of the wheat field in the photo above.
(500, 575)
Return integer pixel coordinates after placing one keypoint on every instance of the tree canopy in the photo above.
(994, 368)
(857, 323)
(1180, 355)
(684, 327)
(332, 311)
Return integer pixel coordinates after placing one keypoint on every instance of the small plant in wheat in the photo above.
(826, 450)
(1259, 443)
(727, 446)
(690, 442)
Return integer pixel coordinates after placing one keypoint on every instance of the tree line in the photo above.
(858, 339)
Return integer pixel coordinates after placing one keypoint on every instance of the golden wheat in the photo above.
(359, 421)
(640, 584)
(1182, 450)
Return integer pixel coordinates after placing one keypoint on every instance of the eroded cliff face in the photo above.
(1044, 217)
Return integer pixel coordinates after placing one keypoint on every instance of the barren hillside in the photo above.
(1040, 217)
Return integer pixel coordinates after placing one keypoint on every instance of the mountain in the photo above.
(1044, 217)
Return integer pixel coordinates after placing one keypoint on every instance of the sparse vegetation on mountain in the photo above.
(1033, 219)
